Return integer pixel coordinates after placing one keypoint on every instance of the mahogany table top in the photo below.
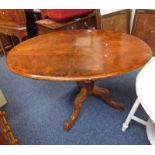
(78, 55)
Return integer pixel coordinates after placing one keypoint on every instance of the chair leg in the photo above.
(2, 47)
(130, 115)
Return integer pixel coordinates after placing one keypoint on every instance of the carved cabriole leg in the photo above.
(76, 108)
(104, 94)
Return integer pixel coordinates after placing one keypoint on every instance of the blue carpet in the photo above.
(36, 111)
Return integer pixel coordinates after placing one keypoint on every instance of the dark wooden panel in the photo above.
(6, 43)
(5, 39)
(117, 21)
(31, 18)
(144, 27)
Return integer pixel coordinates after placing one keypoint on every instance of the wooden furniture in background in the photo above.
(89, 21)
(12, 23)
(144, 26)
(5, 44)
(117, 21)
(82, 56)
(6, 135)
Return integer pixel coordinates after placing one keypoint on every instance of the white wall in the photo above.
(104, 12)
(132, 19)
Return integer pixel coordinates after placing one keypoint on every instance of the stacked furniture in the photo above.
(90, 20)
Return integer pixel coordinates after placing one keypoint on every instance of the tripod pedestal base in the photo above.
(88, 88)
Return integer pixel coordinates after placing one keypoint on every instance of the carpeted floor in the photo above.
(36, 111)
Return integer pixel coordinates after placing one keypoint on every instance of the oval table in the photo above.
(82, 56)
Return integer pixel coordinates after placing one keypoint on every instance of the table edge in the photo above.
(84, 78)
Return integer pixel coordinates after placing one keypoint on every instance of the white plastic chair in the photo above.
(145, 89)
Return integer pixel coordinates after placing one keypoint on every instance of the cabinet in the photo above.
(12, 23)
(144, 26)
(117, 21)
(12, 17)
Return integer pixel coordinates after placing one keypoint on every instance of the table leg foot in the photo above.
(104, 94)
(76, 108)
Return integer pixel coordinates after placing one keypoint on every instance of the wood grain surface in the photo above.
(78, 55)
